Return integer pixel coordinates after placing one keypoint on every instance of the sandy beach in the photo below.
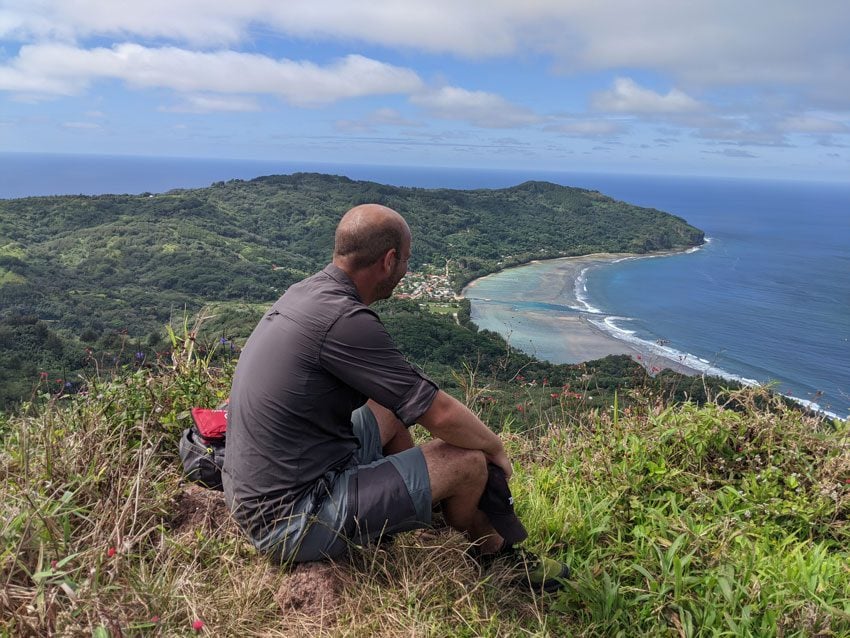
(578, 338)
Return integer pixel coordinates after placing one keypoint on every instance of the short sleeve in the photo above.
(358, 350)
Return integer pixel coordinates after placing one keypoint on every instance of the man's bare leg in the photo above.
(457, 478)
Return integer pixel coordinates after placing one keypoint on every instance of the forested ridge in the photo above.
(92, 280)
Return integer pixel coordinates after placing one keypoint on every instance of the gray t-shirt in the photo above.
(317, 355)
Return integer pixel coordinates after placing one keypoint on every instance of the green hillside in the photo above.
(90, 281)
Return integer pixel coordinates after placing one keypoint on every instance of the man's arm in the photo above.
(450, 420)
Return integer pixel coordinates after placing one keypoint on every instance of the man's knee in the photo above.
(453, 469)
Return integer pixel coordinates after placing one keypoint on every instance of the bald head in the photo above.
(366, 233)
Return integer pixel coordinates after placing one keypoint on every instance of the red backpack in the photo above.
(202, 446)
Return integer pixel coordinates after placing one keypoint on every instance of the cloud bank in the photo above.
(65, 69)
(729, 72)
(722, 42)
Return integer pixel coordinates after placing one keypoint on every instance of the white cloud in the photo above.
(81, 125)
(391, 117)
(475, 107)
(439, 25)
(587, 128)
(65, 70)
(626, 96)
(380, 118)
(195, 21)
(742, 133)
(812, 124)
(353, 126)
(213, 103)
(733, 152)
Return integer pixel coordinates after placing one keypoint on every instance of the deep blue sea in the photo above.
(767, 299)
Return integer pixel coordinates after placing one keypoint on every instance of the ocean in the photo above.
(767, 299)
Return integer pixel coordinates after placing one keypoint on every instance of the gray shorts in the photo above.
(376, 495)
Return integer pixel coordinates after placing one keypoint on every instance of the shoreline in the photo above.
(583, 340)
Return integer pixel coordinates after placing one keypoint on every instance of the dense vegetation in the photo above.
(677, 521)
(450, 351)
(94, 279)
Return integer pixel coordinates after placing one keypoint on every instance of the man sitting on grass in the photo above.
(318, 451)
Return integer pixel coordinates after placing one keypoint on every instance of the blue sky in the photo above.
(739, 88)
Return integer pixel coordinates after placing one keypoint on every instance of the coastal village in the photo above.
(426, 287)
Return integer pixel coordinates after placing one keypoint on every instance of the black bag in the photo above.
(202, 447)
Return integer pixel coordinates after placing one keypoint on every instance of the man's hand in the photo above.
(503, 462)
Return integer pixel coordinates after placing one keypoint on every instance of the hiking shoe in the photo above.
(538, 573)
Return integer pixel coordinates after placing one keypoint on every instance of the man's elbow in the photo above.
(442, 414)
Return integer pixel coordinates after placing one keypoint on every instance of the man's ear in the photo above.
(389, 259)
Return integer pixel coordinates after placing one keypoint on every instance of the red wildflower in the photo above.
(110, 552)
(43, 375)
(198, 624)
(554, 395)
(520, 407)
(154, 619)
(53, 564)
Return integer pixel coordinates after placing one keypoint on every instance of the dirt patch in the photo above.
(311, 589)
(200, 508)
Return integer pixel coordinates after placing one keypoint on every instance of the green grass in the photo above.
(698, 521)
(680, 521)
(441, 308)
(9, 277)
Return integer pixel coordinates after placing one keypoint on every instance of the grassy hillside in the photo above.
(96, 278)
(677, 521)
